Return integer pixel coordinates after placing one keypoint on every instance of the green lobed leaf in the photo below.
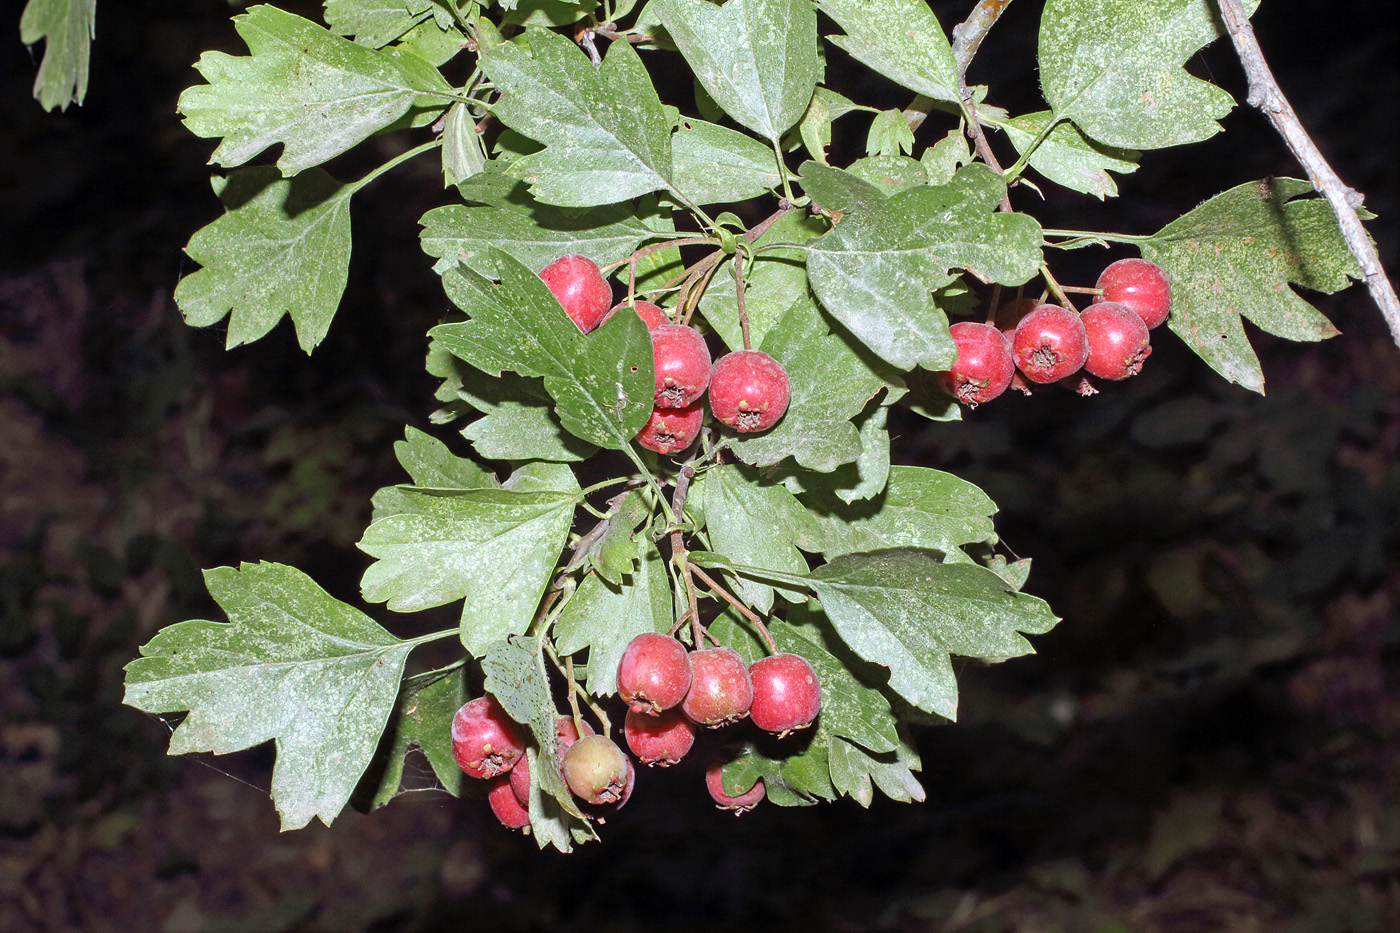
(305, 87)
(900, 39)
(757, 524)
(889, 135)
(603, 617)
(756, 58)
(67, 28)
(374, 23)
(615, 553)
(518, 421)
(1067, 157)
(862, 478)
(716, 165)
(282, 247)
(458, 233)
(853, 769)
(1114, 67)
(431, 465)
(493, 548)
(875, 270)
(1234, 258)
(603, 383)
(830, 384)
(890, 174)
(422, 719)
(293, 665)
(792, 776)
(546, 13)
(605, 134)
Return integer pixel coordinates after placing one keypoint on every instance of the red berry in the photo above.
(671, 430)
(509, 809)
(651, 315)
(1049, 344)
(485, 741)
(659, 740)
(720, 688)
(1010, 314)
(786, 693)
(740, 803)
(654, 673)
(1139, 284)
(565, 734)
(983, 368)
(682, 365)
(580, 288)
(1118, 340)
(596, 769)
(749, 390)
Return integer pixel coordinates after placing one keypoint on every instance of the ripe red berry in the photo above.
(485, 741)
(659, 740)
(654, 673)
(786, 693)
(565, 734)
(1139, 284)
(509, 809)
(739, 803)
(720, 688)
(580, 288)
(749, 390)
(596, 769)
(1049, 344)
(671, 430)
(1118, 340)
(652, 315)
(682, 365)
(983, 368)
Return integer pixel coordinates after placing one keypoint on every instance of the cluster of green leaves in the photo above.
(878, 574)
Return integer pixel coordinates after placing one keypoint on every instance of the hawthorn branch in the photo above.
(967, 38)
(1266, 97)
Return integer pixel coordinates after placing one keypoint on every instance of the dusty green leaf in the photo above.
(794, 774)
(716, 165)
(374, 23)
(305, 87)
(757, 524)
(1235, 256)
(889, 174)
(462, 152)
(889, 135)
(615, 553)
(863, 477)
(900, 39)
(853, 769)
(282, 247)
(815, 126)
(468, 234)
(776, 279)
(67, 28)
(1067, 158)
(292, 665)
(518, 421)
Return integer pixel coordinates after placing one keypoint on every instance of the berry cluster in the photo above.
(748, 389)
(671, 693)
(1028, 343)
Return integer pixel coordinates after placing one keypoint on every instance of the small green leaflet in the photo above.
(717, 165)
(1067, 158)
(614, 555)
(830, 383)
(462, 152)
(458, 233)
(603, 383)
(282, 247)
(889, 135)
(292, 664)
(815, 127)
(492, 548)
(900, 39)
(756, 58)
(603, 617)
(1114, 67)
(422, 719)
(67, 28)
(755, 524)
(305, 87)
(1234, 257)
(605, 133)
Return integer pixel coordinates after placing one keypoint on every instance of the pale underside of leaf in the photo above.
(67, 28)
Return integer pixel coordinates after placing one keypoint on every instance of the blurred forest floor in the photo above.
(1209, 741)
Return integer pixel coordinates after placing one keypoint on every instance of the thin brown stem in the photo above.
(724, 594)
(1266, 96)
(646, 251)
(1055, 288)
(968, 35)
(743, 308)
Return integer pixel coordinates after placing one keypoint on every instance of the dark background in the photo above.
(1207, 742)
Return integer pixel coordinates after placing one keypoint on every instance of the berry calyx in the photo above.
(1049, 344)
(1139, 284)
(749, 390)
(509, 809)
(786, 693)
(654, 673)
(652, 315)
(720, 688)
(739, 803)
(659, 740)
(485, 741)
(596, 769)
(671, 430)
(983, 368)
(565, 734)
(682, 365)
(1118, 340)
(580, 288)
